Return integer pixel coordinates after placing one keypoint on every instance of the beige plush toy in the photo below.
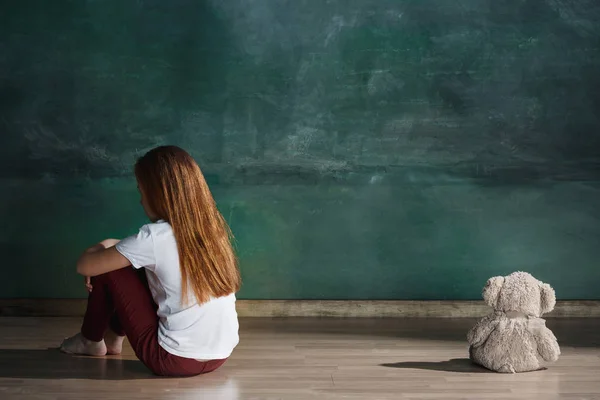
(514, 338)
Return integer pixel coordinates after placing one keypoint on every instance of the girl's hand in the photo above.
(108, 243)
(88, 283)
(105, 244)
(94, 248)
(100, 259)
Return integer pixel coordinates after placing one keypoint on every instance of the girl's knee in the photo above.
(121, 273)
(108, 278)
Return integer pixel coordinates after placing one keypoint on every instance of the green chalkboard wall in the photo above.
(372, 149)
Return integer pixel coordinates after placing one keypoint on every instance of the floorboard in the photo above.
(303, 358)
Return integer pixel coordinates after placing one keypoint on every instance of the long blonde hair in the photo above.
(177, 193)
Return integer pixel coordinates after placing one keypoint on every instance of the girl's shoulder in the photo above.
(156, 229)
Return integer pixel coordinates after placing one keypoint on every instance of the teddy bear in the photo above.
(513, 338)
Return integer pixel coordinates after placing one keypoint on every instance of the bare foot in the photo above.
(114, 342)
(77, 344)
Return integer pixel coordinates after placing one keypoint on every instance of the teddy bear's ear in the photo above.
(548, 298)
(492, 290)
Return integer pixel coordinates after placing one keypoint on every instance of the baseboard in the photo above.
(316, 308)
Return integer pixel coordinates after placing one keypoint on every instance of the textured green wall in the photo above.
(359, 149)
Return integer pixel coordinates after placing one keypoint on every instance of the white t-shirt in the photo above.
(205, 332)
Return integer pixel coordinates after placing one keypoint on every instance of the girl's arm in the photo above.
(101, 258)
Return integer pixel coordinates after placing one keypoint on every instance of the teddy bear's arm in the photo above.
(547, 345)
(482, 329)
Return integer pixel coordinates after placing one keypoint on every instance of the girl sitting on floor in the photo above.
(179, 318)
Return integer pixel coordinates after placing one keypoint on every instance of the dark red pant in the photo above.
(122, 300)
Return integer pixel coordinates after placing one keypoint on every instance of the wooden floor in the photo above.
(303, 359)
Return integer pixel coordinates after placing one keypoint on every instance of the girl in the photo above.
(180, 320)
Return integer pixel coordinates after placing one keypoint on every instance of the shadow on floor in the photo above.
(52, 364)
(463, 365)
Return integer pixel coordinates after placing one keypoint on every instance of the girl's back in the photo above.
(205, 331)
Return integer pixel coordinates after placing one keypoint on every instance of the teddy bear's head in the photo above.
(519, 292)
